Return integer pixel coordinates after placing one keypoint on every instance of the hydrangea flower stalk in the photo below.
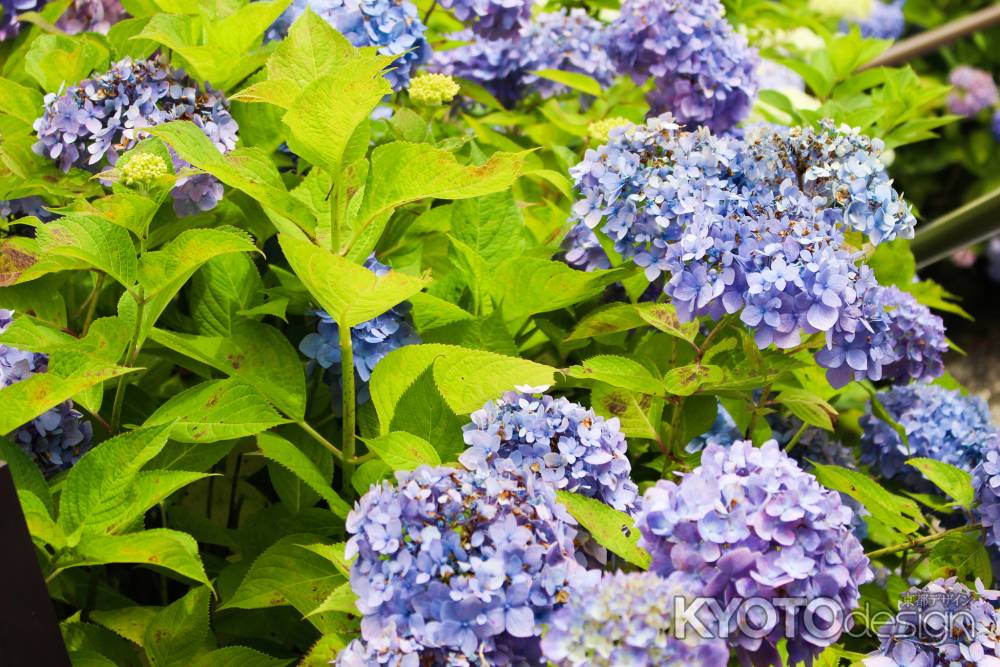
(750, 523)
(100, 118)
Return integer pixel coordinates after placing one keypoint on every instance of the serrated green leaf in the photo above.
(342, 599)
(127, 622)
(617, 371)
(295, 493)
(890, 509)
(610, 528)
(403, 451)
(808, 407)
(39, 520)
(221, 289)
(574, 80)
(961, 555)
(309, 52)
(93, 240)
(686, 380)
(237, 656)
(369, 473)
(175, 635)
(19, 101)
(528, 286)
(27, 476)
(288, 455)
(324, 651)
(469, 378)
(956, 482)
(639, 414)
(216, 410)
(58, 61)
(613, 319)
(159, 547)
(663, 316)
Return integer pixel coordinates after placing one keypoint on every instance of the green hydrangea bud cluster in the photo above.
(431, 90)
(599, 129)
(143, 169)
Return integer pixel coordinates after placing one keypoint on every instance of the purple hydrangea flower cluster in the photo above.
(750, 523)
(939, 423)
(455, 566)
(568, 445)
(986, 482)
(569, 41)
(944, 623)
(917, 337)
(12, 210)
(9, 11)
(722, 433)
(371, 340)
(755, 225)
(996, 125)
(103, 117)
(583, 250)
(885, 21)
(974, 90)
(703, 70)
(493, 19)
(392, 26)
(56, 439)
(628, 619)
(91, 16)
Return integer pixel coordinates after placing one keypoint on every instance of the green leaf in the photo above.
(216, 410)
(611, 529)
(404, 451)
(287, 573)
(369, 473)
(686, 380)
(58, 61)
(888, 508)
(469, 378)
(237, 656)
(310, 51)
(956, 482)
(27, 476)
(255, 353)
(663, 316)
(342, 599)
(94, 241)
(324, 652)
(19, 101)
(175, 635)
(527, 285)
(575, 80)
(127, 622)
(639, 414)
(220, 290)
(613, 319)
(159, 547)
(893, 263)
(296, 494)
(422, 411)
(961, 555)
(808, 407)
(490, 225)
(288, 455)
(99, 488)
(39, 520)
(619, 372)
(349, 292)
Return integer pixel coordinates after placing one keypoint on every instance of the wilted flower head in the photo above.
(431, 90)
(453, 566)
(942, 624)
(392, 26)
(750, 523)
(143, 169)
(628, 619)
(566, 444)
(371, 340)
(974, 90)
(102, 117)
(757, 226)
(703, 70)
(91, 16)
(56, 439)
(939, 423)
(493, 19)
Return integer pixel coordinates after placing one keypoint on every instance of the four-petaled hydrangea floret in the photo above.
(944, 623)
(143, 169)
(456, 565)
(431, 90)
(56, 439)
(974, 90)
(391, 26)
(100, 118)
(600, 130)
(917, 336)
(91, 16)
(751, 524)
(939, 423)
(371, 341)
(568, 445)
(755, 226)
(492, 19)
(629, 619)
(703, 71)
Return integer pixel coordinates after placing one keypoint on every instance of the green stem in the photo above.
(795, 438)
(920, 541)
(318, 437)
(348, 407)
(753, 419)
(130, 358)
(969, 224)
(709, 338)
(92, 303)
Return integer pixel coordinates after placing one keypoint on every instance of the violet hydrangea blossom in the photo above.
(629, 619)
(986, 483)
(493, 19)
(10, 27)
(392, 26)
(939, 423)
(98, 119)
(453, 566)
(750, 523)
(974, 90)
(371, 340)
(91, 16)
(566, 444)
(917, 336)
(702, 69)
(56, 439)
(884, 21)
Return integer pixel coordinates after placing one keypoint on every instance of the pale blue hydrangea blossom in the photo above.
(884, 21)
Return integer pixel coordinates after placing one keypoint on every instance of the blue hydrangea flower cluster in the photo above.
(996, 124)
(750, 523)
(103, 117)
(722, 433)
(392, 26)
(371, 340)
(917, 336)
(9, 11)
(944, 623)
(940, 424)
(91, 16)
(568, 445)
(12, 210)
(986, 482)
(628, 619)
(454, 566)
(974, 90)
(703, 71)
(56, 439)
(885, 21)
(755, 225)
(569, 41)
(493, 19)
(583, 250)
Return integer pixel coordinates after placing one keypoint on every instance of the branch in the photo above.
(974, 222)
